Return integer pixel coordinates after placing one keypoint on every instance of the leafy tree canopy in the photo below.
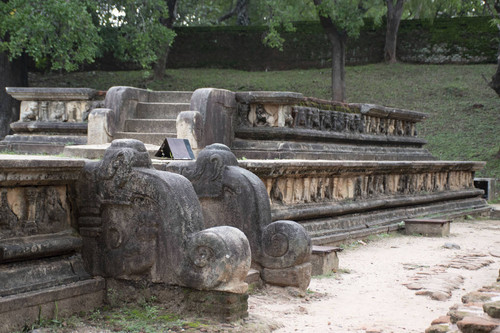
(72, 32)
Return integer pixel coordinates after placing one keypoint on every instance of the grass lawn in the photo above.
(464, 113)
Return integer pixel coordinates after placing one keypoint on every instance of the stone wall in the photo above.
(41, 269)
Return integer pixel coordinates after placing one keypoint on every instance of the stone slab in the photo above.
(428, 227)
(297, 276)
(324, 259)
(26, 308)
(96, 152)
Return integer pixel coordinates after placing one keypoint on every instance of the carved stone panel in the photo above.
(33, 210)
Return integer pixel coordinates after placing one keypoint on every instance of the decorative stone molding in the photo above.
(54, 104)
(40, 260)
(142, 224)
(292, 110)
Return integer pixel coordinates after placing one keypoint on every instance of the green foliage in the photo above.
(132, 31)
(49, 29)
(346, 15)
(428, 9)
(66, 33)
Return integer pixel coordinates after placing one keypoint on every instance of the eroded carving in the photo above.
(139, 223)
(33, 210)
(231, 195)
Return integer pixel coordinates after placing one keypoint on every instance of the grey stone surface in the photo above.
(428, 227)
(40, 261)
(217, 108)
(50, 94)
(139, 223)
(61, 301)
(231, 195)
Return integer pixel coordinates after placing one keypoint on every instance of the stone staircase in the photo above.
(155, 119)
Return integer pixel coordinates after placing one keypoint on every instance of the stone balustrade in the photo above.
(50, 118)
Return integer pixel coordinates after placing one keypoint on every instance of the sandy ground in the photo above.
(368, 294)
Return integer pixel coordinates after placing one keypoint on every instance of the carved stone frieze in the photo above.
(33, 210)
(291, 190)
(56, 111)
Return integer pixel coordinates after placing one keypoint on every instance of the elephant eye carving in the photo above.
(203, 256)
(114, 238)
(276, 245)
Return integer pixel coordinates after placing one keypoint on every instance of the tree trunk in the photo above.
(338, 66)
(495, 79)
(338, 38)
(12, 74)
(394, 13)
(160, 66)
(241, 12)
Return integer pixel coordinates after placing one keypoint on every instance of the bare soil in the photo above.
(368, 294)
(370, 291)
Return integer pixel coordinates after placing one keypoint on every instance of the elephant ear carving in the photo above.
(117, 166)
(208, 174)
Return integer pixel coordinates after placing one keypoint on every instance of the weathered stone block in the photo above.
(218, 305)
(324, 259)
(58, 301)
(233, 196)
(492, 309)
(297, 276)
(428, 227)
(139, 223)
(476, 325)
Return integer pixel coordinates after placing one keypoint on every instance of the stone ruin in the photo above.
(231, 195)
(72, 229)
(50, 119)
(140, 223)
(265, 160)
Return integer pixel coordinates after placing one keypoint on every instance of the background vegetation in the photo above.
(464, 113)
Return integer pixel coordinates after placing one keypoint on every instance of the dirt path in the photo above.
(369, 296)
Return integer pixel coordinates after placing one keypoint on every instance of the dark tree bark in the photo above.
(394, 13)
(338, 38)
(12, 74)
(161, 65)
(241, 12)
(495, 79)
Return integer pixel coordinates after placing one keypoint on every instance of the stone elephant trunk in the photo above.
(141, 224)
(231, 195)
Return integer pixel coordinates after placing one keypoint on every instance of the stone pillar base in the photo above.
(297, 276)
(218, 305)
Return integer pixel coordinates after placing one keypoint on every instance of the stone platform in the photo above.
(428, 227)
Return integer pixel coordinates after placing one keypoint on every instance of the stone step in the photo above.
(170, 96)
(160, 110)
(150, 125)
(147, 138)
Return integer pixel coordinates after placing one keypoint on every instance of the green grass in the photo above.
(464, 116)
(145, 318)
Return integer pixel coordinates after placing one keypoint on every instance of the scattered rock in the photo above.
(476, 325)
(441, 328)
(492, 309)
(479, 297)
(441, 320)
(472, 261)
(440, 296)
(457, 313)
(451, 246)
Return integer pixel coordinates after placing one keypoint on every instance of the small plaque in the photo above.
(177, 149)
